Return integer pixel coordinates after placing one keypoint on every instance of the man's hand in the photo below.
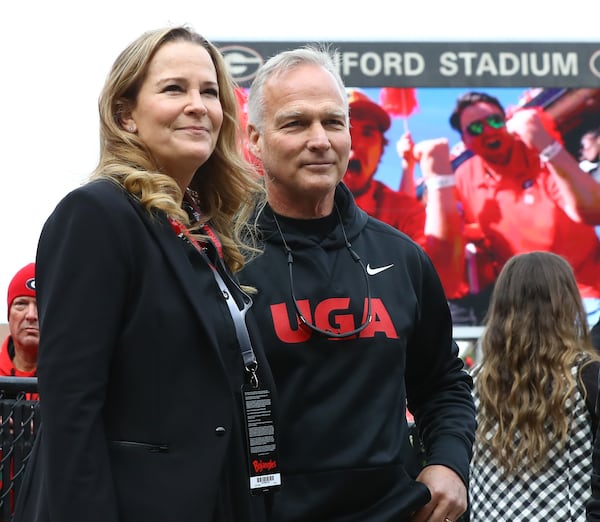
(404, 147)
(433, 156)
(448, 495)
(527, 124)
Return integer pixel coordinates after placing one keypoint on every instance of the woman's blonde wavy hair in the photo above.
(536, 332)
(227, 185)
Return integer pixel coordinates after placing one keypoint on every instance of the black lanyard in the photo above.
(239, 322)
(238, 316)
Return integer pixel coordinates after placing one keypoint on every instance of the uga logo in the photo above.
(242, 62)
(331, 314)
(30, 283)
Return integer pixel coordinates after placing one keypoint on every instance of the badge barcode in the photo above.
(262, 481)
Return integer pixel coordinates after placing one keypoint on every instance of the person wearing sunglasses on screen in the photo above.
(524, 191)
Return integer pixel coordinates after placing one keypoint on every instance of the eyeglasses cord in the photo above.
(355, 257)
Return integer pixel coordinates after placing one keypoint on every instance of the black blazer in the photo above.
(139, 371)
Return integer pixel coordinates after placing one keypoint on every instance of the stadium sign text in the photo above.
(409, 64)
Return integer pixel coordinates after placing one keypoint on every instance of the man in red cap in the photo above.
(368, 124)
(440, 237)
(18, 355)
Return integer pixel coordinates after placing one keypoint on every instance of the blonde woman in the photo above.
(533, 448)
(140, 366)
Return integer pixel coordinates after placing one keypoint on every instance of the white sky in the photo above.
(54, 56)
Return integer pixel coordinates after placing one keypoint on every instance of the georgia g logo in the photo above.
(30, 283)
(242, 62)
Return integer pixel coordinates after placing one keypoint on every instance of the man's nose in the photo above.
(32, 311)
(318, 137)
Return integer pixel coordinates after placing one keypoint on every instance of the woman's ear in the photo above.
(126, 120)
(130, 126)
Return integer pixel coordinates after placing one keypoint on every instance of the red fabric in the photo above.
(6, 365)
(242, 100)
(480, 264)
(364, 108)
(181, 230)
(398, 101)
(522, 210)
(397, 209)
(241, 95)
(8, 369)
(406, 214)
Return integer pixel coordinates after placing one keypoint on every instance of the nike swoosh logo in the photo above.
(375, 271)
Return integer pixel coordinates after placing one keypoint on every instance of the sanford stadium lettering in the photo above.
(467, 64)
(509, 64)
(410, 64)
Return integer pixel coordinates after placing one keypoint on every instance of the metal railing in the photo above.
(19, 422)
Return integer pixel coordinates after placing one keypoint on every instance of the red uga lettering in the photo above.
(331, 314)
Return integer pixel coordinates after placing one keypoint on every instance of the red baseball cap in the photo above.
(363, 108)
(22, 284)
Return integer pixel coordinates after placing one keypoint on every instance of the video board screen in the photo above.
(418, 85)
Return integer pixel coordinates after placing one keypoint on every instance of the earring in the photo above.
(131, 128)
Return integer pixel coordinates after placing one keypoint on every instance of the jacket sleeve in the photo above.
(439, 389)
(82, 281)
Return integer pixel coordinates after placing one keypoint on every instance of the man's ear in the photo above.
(254, 141)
